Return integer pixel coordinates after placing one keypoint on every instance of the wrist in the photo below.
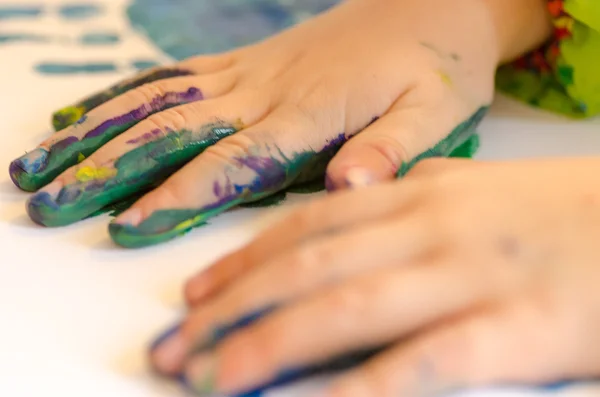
(520, 25)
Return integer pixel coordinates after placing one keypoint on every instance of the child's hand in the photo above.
(257, 120)
(469, 273)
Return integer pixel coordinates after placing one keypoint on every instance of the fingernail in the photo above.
(169, 352)
(200, 373)
(131, 217)
(43, 199)
(358, 177)
(31, 163)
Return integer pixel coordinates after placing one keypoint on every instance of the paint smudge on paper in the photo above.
(17, 12)
(79, 11)
(207, 26)
(60, 68)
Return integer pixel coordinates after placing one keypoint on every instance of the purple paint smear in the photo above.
(63, 144)
(157, 104)
(147, 137)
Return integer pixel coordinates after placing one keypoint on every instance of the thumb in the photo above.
(391, 145)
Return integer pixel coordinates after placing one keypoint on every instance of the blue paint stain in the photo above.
(81, 120)
(79, 11)
(74, 68)
(221, 332)
(185, 28)
(557, 386)
(143, 64)
(11, 12)
(23, 37)
(85, 39)
(99, 38)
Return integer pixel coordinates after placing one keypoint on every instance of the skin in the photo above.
(438, 287)
(282, 117)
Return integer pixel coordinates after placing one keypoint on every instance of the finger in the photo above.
(69, 146)
(360, 314)
(421, 124)
(243, 168)
(320, 263)
(142, 157)
(483, 348)
(202, 65)
(329, 215)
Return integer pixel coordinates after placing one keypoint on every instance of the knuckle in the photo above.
(145, 93)
(174, 119)
(231, 148)
(392, 149)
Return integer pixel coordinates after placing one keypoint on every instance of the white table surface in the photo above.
(77, 312)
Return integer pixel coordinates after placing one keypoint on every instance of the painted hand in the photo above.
(216, 131)
(462, 274)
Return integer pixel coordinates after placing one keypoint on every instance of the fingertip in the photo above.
(133, 217)
(359, 166)
(168, 352)
(161, 226)
(42, 206)
(194, 290)
(23, 171)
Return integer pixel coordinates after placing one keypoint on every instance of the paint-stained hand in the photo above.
(216, 131)
(463, 274)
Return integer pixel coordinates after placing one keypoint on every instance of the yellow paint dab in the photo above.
(86, 174)
(80, 157)
(190, 223)
(445, 78)
(239, 124)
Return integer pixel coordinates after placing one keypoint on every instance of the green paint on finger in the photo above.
(69, 115)
(463, 141)
(134, 173)
(274, 174)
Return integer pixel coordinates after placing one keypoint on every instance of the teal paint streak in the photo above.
(273, 176)
(86, 39)
(74, 68)
(142, 64)
(17, 12)
(23, 38)
(100, 38)
(211, 26)
(138, 171)
(80, 11)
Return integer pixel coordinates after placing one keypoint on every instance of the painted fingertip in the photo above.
(22, 168)
(67, 116)
(43, 201)
(161, 226)
(169, 351)
(200, 373)
(358, 177)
